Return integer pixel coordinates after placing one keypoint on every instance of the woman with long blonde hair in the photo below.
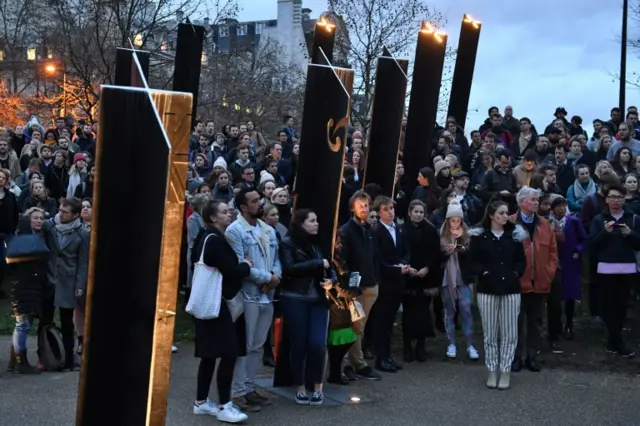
(77, 173)
(454, 242)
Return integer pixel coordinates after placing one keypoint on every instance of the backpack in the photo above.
(52, 353)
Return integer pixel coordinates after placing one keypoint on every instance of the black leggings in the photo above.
(336, 354)
(224, 378)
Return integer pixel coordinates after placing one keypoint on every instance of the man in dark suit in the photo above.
(393, 258)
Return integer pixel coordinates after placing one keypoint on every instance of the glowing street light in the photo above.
(51, 68)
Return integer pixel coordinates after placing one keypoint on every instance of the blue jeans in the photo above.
(306, 322)
(464, 304)
(21, 332)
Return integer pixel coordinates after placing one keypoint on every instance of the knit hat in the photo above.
(220, 163)
(454, 209)
(79, 156)
(441, 165)
(265, 176)
(553, 197)
(357, 134)
(204, 157)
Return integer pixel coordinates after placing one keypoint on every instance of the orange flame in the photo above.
(328, 25)
(469, 19)
(427, 28)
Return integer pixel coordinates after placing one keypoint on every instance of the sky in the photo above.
(533, 55)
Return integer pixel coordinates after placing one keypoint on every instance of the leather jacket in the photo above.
(303, 267)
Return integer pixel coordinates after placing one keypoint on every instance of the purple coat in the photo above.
(575, 239)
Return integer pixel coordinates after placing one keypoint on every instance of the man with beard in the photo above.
(471, 205)
(626, 141)
(252, 239)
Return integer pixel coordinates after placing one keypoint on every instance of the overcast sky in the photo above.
(535, 57)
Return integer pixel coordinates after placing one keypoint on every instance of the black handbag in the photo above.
(25, 247)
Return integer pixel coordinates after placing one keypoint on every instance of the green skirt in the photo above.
(340, 337)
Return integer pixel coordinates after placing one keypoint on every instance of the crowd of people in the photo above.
(46, 190)
(525, 221)
(511, 219)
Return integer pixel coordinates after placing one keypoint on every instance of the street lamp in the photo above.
(51, 69)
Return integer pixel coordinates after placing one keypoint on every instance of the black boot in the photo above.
(409, 354)
(421, 352)
(12, 360)
(23, 366)
(267, 354)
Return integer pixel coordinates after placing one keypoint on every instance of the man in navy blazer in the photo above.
(393, 258)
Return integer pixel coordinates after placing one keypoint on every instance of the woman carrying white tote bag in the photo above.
(206, 290)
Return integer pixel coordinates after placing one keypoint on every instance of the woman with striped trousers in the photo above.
(496, 258)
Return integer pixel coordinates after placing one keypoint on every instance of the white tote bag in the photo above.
(206, 290)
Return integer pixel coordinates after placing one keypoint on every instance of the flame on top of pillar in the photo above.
(326, 24)
(427, 28)
(469, 19)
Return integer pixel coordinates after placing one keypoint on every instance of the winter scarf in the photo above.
(581, 192)
(66, 228)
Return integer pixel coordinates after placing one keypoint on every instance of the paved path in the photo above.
(436, 393)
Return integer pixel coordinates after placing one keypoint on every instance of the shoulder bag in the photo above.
(206, 289)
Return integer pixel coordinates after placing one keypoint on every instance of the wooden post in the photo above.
(134, 259)
(386, 122)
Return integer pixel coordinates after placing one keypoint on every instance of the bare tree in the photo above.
(18, 20)
(633, 43)
(372, 24)
(251, 83)
(13, 110)
(88, 32)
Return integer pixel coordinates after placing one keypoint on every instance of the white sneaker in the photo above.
(230, 414)
(473, 353)
(207, 408)
(174, 349)
(452, 351)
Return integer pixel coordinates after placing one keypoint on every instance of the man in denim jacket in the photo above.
(251, 238)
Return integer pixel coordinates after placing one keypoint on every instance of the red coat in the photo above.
(541, 254)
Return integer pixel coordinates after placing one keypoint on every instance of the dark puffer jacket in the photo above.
(28, 281)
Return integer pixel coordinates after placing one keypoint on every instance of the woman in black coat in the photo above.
(423, 287)
(29, 283)
(218, 338)
(39, 198)
(496, 259)
(306, 274)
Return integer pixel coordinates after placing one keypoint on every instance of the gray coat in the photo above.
(68, 263)
(194, 225)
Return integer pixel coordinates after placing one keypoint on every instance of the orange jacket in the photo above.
(541, 254)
